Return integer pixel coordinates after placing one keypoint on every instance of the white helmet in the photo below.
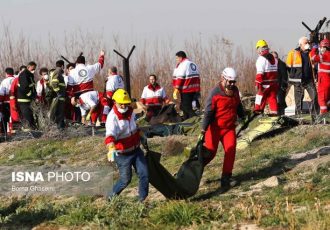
(229, 74)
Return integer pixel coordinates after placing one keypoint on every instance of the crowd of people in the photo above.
(69, 94)
(66, 93)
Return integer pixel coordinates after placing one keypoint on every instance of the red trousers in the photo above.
(267, 96)
(97, 113)
(213, 136)
(323, 93)
(14, 110)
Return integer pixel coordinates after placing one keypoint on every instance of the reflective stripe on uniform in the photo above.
(294, 80)
(324, 71)
(23, 100)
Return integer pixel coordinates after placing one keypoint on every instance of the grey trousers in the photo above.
(299, 95)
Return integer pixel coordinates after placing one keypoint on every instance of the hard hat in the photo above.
(121, 97)
(229, 74)
(325, 43)
(261, 43)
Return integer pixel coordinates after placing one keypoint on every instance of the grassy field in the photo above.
(300, 199)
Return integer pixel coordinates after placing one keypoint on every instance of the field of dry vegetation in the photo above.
(297, 161)
(151, 56)
(283, 183)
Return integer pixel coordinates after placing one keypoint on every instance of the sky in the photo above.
(243, 22)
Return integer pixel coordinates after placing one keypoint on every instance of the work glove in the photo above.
(88, 117)
(176, 93)
(143, 139)
(201, 136)
(111, 153)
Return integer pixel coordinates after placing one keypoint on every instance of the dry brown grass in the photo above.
(151, 56)
(171, 145)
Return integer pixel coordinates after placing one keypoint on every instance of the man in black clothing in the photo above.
(302, 77)
(282, 78)
(57, 94)
(26, 93)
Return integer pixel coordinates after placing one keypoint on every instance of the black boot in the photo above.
(227, 181)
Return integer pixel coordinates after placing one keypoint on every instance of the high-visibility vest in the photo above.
(294, 62)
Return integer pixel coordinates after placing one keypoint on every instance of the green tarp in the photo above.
(191, 126)
(185, 183)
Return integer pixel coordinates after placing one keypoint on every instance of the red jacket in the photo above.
(222, 110)
(323, 60)
(153, 95)
(266, 69)
(121, 130)
(186, 77)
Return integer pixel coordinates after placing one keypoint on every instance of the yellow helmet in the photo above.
(261, 43)
(121, 97)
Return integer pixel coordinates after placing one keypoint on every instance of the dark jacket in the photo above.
(282, 75)
(57, 83)
(26, 91)
(300, 67)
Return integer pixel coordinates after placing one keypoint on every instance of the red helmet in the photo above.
(325, 42)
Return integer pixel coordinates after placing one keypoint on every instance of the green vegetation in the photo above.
(300, 201)
(40, 151)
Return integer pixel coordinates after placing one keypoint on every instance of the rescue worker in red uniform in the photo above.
(123, 142)
(71, 112)
(91, 106)
(114, 81)
(153, 97)
(5, 101)
(82, 76)
(42, 86)
(223, 105)
(186, 83)
(323, 58)
(266, 80)
(14, 109)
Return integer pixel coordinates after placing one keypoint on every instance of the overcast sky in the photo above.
(244, 22)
